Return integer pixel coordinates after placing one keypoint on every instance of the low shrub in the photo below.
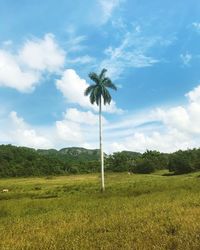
(144, 166)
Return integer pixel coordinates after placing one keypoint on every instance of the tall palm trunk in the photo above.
(101, 149)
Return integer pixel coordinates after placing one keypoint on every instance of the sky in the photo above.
(151, 50)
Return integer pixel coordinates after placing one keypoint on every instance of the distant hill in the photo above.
(72, 153)
(131, 153)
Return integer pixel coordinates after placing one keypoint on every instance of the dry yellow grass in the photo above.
(136, 212)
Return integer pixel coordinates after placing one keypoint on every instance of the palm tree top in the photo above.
(100, 87)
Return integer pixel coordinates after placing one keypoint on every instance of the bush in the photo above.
(149, 162)
(159, 160)
(73, 170)
(120, 161)
(182, 162)
(144, 166)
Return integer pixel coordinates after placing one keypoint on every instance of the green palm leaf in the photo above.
(89, 89)
(108, 83)
(102, 74)
(94, 77)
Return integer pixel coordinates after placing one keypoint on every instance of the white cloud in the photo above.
(185, 119)
(164, 142)
(18, 132)
(186, 58)
(176, 117)
(194, 95)
(78, 127)
(82, 117)
(73, 87)
(112, 108)
(14, 76)
(131, 53)
(160, 129)
(75, 46)
(24, 69)
(107, 8)
(74, 43)
(163, 129)
(69, 131)
(42, 54)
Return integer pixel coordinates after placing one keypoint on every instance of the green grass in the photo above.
(136, 212)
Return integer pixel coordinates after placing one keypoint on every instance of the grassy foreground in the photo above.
(136, 212)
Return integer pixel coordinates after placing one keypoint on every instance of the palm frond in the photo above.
(89, 89)
(97, 94)
(109, 84)
(102, 74)
(94, 77)
(106, 96)
(92, 97)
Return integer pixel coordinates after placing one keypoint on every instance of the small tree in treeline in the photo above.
(182, 162)
(120, 162)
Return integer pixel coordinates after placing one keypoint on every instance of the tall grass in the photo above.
(135, 212)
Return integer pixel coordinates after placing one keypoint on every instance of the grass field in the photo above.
(136, 212)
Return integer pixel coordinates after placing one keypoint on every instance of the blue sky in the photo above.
(150, 48)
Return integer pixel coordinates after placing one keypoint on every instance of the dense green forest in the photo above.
(23, 161)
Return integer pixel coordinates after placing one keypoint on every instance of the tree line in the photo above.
(179, 162)
(23, 161)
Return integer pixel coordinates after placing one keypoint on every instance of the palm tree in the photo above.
(98, 93)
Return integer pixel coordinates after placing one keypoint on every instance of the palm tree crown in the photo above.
(99, 89)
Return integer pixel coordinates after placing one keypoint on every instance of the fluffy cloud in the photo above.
(69, 131)
(162, 141)
(42, 54)
(78, 127)
(18, 132)
(24, 69)
(163, 129)
(73, 87)
(13, 75)
(160, 129)
(194, 95)
(82, 117)
(185, 119)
